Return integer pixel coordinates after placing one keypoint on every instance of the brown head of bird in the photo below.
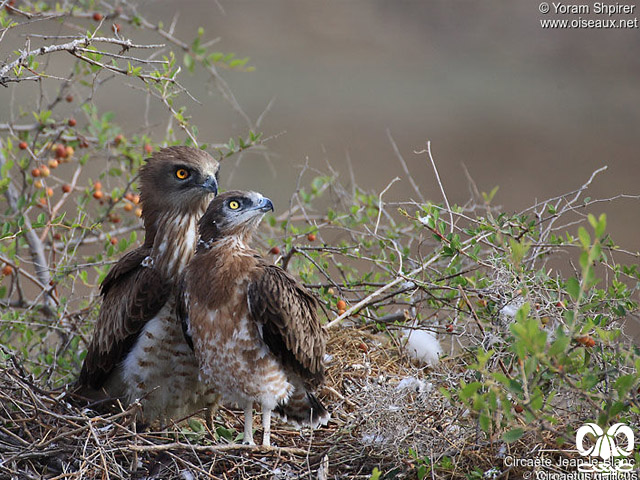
(233, 214)
(179, 181)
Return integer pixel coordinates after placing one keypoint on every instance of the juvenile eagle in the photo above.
(254, 329)
(138, 350)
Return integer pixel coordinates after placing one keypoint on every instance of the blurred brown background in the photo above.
(534, 111)
(531, 110)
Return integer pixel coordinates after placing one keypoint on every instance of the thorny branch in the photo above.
(36, 247)
(71, 47)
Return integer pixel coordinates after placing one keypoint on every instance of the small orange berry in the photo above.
(49, 192)
(311, 237)
(114, 241)
(518, 408)
(341, 305)
(98, 194)
(43, 201)
(128, 207)
(97, 185)
(66, 188)
(340, 312)
(22, 145)
(97, 16)
(69, 151)
(60, 151)
(136, 199)
(69, 98)
(36, 172)
(7, 270)
(114, 219)
(53, 163)
(38, 184)
(582, 340)
(72, 122)
(116, 28)
(138, 212)
(44, 171)
(450, 328)
(118, 140)
(148, 148)
(275, 250)
(128, 196)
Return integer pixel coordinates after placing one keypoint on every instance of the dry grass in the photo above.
(374, 424)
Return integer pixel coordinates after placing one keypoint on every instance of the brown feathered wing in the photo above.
(132, 295)
(290, 325)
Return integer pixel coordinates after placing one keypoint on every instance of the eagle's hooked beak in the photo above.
(211, 184)
(265, 205)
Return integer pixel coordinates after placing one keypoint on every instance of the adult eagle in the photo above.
(254, 329)
(138, 350)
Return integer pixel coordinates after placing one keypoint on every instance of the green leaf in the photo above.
(485, 422)
(468, 390)
(560, 344)
(585, 238)
(225, 433)
(602, 225)
(375, 474)
(513, 435)
(623, 384)
(573, 287)
(196, 425)
(189, 62)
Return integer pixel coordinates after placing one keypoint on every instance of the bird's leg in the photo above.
(210, 413)
(248, 424)
(266, 427)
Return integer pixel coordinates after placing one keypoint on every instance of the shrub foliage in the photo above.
(530, 306)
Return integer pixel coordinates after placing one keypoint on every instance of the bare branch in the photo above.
(404, 166)
(435, 169)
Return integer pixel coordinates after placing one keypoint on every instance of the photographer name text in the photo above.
(597, 8)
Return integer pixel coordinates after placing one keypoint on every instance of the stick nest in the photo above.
(383, 408)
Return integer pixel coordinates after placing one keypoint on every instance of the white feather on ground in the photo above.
(422, 346)
(413, 384)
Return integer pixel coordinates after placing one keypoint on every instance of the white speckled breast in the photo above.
(234, 358)
(161, 371)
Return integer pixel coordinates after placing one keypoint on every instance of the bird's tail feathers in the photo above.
(303, 409)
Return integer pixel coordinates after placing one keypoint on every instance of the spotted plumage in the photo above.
(254, 329)
(138, 350)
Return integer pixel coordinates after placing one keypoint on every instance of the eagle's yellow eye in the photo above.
(233, 205)
(182, 173)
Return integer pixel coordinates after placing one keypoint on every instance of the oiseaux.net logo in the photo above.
(605, 453)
